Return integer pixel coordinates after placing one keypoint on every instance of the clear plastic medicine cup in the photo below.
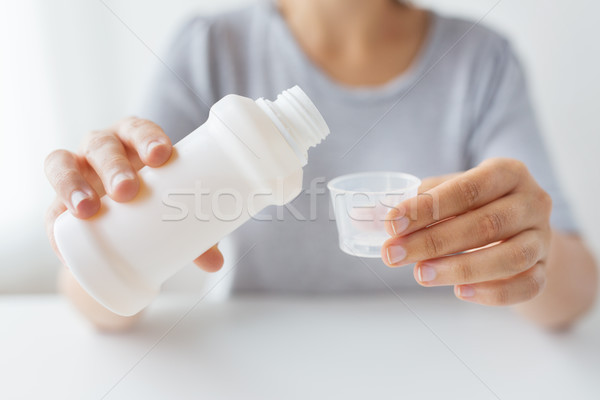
(361, 203)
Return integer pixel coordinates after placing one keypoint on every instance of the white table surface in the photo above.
(370, 347)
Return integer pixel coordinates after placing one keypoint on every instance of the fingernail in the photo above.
(395, 254)
(466, 291)
(426, 273)
(399, 225)
(77, 197)
(152, 145)
(120, 177)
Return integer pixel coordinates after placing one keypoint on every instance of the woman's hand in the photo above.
(498, 204)
(107, 164)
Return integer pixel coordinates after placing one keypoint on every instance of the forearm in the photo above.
(571, 284)
(102, 318)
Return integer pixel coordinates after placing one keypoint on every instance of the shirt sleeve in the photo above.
(504, 125)
(180, 92)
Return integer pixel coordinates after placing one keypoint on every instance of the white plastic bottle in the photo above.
(248, 155)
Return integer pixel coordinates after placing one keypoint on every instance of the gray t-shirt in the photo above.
(463, 100)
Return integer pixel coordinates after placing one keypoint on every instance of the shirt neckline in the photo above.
(404, 81)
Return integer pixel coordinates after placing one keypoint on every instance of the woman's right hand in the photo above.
(106, 164)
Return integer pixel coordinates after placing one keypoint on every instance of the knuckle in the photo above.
(434, 245)
(469, 191)
(97, 140)
(511, 166)
(523, 255)
(427, 208)
(55, 156)
(464, 273)
(114, 161)
(135, 123)
(501, 296)
(514, 165)
(491, 226)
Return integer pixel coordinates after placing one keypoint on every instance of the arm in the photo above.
(177, 100)
(504, 126)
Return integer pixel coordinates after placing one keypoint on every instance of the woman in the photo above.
(402, 89)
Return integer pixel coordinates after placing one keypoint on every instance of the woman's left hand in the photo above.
(497, 204)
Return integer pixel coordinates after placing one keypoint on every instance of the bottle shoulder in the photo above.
(251, 137)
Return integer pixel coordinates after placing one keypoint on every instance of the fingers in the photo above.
(116, 154)
(64, 174)
(211, 260)
(522, 287)
(151, 144)
(500, 261)
(106, 154)
(107, 164)
(496, 221)
(490, 180)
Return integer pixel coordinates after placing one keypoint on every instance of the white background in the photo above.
(69, 66)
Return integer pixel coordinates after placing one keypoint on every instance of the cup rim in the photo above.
(331, 184)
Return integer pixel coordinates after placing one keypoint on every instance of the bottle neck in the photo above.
(297, 119)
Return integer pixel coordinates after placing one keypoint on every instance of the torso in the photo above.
(419, 120)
